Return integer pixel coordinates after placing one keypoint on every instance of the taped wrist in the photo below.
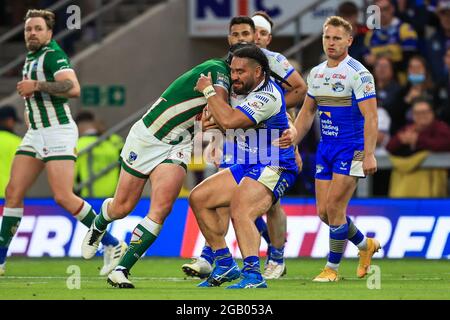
(209, 91)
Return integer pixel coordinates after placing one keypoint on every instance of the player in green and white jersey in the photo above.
(158, 148)
(48, 82)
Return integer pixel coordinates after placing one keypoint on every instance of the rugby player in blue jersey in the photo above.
(343, 92)
(262, 172)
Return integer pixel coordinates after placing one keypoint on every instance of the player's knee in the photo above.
(322, 213)
(13, 196)
(197, 197)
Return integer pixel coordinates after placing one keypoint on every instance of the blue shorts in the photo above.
(229, 157)
(342, 158)
(277, 179)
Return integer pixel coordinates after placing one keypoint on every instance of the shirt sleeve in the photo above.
(363, 85)
(55, 62)
(221, 78)
(260, 107)
(280, 65)
(309, 81)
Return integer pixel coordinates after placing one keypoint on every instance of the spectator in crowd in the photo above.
(9, 142)
(416, 13)
(395, 39)
(439, 41)
(419, 85)
(349, 11)
(386, 83)
(411, 146)
(443, 91)
(103, 155)
(425, 133)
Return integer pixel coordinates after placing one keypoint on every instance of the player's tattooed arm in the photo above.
(55, 88)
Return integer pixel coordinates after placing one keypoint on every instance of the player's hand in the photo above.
(26, 87)
(369, 165)
(287, 138)
(213, 154)
(203, 82)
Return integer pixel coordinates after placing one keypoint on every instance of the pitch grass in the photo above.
(162, 279)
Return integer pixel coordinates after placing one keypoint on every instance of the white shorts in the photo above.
(142, 152)
(52, 143)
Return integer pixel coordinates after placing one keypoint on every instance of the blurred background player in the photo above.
(157, 149)
(9, 142)
(103, 155)
(348, 118)
(258, 30)
(50, 142)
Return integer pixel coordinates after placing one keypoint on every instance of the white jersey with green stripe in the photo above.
(172, 117)
(45, 110)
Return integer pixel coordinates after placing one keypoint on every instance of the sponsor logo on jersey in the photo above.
(337, 87)
(366, 79)
(132, 157)
(319, 76)
(286, 65)
(369, 88)
(319, 168)
(255, 104)
(339, 76)
(223, 80)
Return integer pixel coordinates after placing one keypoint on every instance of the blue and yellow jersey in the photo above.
(392, 41)
(337, 92)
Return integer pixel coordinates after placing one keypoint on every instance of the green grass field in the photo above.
(162, 279)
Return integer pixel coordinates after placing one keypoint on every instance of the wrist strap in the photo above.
(209, 91)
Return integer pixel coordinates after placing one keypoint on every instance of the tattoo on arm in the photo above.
(57, 87)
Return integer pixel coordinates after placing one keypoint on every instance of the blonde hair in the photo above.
(48, 16)
(337, 21)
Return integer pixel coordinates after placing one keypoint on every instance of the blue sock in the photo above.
(275, 254)
(251, 265)
(261, 225)
(338, 236)
(354, 235)
(223, 257)
(207, 254)
(109, 240)
(3, 252)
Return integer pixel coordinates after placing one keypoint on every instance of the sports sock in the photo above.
(355, 236)
(86, 215)
(10, 223)
(143, 236)
(207, 254)
(275, 254)
(251, 265)
(261, 225)
(223, 257)
(338, 236)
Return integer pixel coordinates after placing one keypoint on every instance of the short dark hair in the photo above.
(48, 16)
(242, 20)
(84, 116)
(422, 99)
(347, 8)
(252, 52)
(265, 16)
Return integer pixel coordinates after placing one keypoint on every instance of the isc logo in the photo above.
(230, 8)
